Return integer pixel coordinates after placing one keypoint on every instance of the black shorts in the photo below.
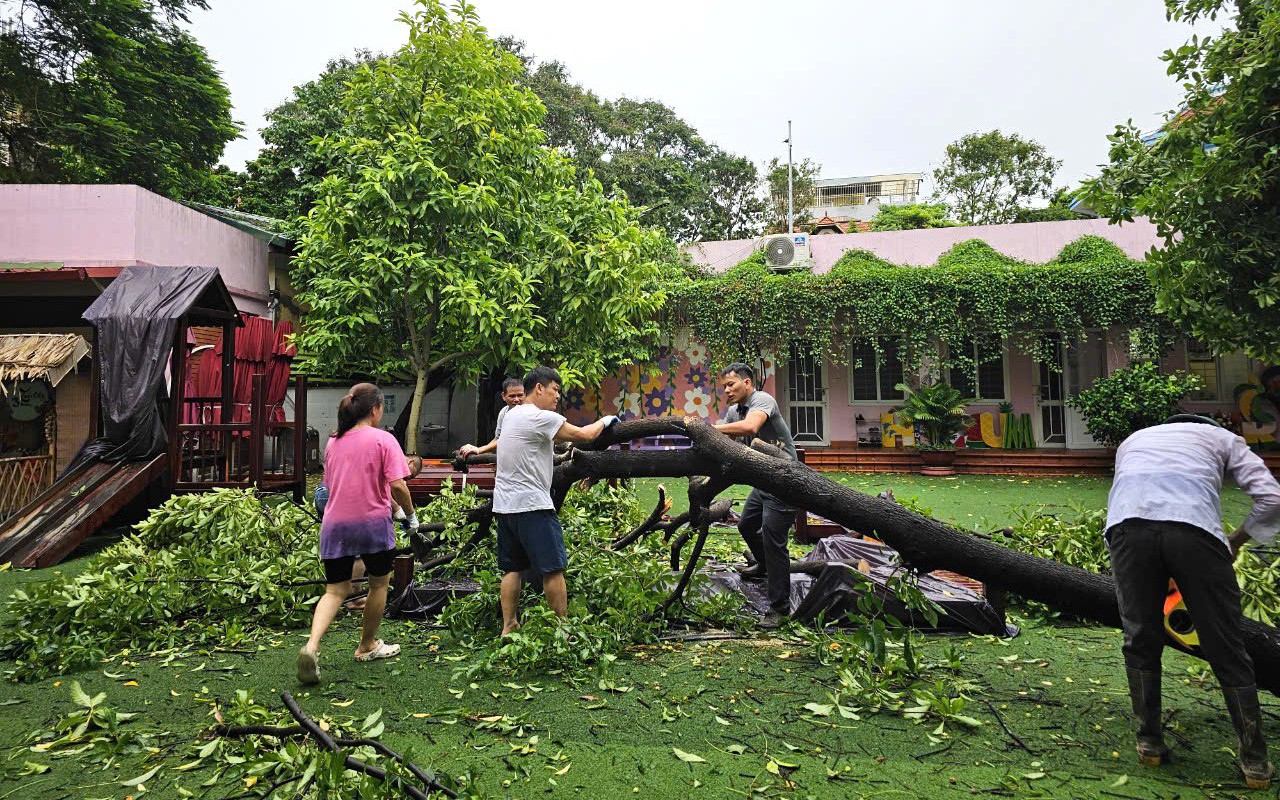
(338, 570)
(532, 539)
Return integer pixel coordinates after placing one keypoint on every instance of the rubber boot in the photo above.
(1144, 691)
(1246, 716)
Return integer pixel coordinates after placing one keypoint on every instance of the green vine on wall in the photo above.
(973, 292)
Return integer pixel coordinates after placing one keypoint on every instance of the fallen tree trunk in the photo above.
(924, 544)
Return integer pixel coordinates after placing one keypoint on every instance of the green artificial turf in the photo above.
(1062, 730)
(1059, 690)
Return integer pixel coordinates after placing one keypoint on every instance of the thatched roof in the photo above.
(39, 355)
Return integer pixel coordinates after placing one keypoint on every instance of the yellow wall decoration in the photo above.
(891, 429)
(988, 422)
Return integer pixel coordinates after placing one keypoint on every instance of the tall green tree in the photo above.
(446, 233)
(1210, 180)
(109, 91)
(282, 179)
(804, 192)
(986, 178)
(689, 187)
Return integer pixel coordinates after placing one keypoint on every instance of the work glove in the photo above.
(399, 514)
(609, 421)
(413, 523)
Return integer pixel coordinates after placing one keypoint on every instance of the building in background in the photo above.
(845, 205)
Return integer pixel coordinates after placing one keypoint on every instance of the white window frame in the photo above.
(853, 366)
(1216, 389)
(1004, 365)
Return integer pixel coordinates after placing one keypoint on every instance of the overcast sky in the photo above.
(871, 86)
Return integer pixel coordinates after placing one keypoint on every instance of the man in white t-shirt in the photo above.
(512, 395)
(529, 532)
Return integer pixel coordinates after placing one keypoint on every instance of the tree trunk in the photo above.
(434, 381)
(923, 543)
(415, 412)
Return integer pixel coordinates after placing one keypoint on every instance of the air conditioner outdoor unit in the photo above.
(784, 252)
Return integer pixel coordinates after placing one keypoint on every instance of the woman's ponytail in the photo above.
(356, 405)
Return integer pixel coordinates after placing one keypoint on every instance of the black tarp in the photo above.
(135, 320)
(833, 591)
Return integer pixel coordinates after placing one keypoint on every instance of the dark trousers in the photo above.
(764, 525)
(1144, 555)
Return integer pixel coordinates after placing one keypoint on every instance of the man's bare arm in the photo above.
(747, 427)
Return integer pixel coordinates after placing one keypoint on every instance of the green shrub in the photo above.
(1130, 399)
(1089, 249)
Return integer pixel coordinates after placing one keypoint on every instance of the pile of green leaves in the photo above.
(614, 597)
(202, 569)
(1130, 399)
(972, 291)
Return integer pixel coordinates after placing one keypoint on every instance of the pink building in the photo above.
(843, 407)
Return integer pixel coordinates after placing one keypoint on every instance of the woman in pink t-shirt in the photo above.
(364, 468)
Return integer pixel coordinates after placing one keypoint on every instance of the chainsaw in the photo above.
(1177, 620)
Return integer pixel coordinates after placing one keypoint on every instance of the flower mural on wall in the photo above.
(697, 378)
(657, 402)
(575, 399)
(627, 403)
(653, 382)
(696, 355)
(697, 401)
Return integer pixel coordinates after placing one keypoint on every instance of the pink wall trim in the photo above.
(1036, 242)
(122, 225)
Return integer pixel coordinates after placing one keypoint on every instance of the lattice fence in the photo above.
(21, 479)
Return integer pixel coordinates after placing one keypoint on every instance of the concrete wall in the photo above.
(322, 412)
(1036, 242)
(119, 225)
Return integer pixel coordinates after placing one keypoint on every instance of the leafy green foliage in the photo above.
(282, 179)
(987, 177)
(110, 92)
(1130, 399)
(452, 237)
(1074, 539)
(613, 597)
(93, 731)
(912, 216)
(202, 570)
(1209, 180)
(939, 409)
(804, 192)
(973, 291)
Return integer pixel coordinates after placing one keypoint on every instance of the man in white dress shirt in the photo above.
(1164, 520)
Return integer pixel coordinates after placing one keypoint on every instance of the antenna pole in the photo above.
(791, 215)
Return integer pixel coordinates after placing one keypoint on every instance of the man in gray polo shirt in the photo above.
(766, 521)
(529, 532)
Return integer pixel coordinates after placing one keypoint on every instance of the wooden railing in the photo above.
(258, 452)
(21, 479)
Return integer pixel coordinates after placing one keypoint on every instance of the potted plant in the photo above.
(937, 409)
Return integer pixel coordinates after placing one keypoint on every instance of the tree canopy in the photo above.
(804, 192)
(446, 233)
(911, 216)
(109, 91)
(986, 178)
(1210, 181)
(688, 187)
